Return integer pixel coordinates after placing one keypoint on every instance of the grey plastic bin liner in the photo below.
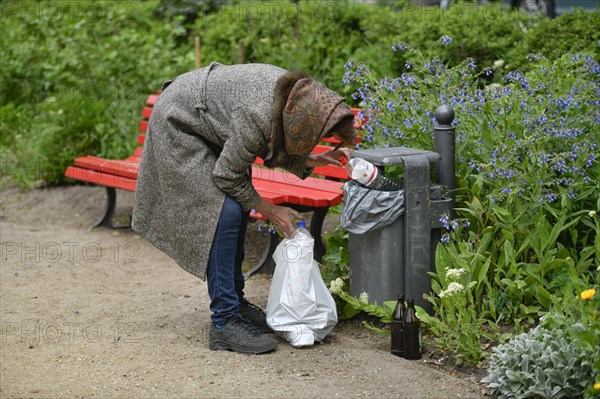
(365, 209)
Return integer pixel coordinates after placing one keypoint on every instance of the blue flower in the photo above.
(347, 78)
(446, 40)
(400, 46)
(590, 160)
(471, 63)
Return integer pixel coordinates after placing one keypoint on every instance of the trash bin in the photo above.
(395, 259)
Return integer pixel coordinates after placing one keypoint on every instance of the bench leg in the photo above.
(109, 209)
(106, 219)
(265, 263)
(316, 227)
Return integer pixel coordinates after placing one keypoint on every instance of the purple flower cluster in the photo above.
(446, 40)
(451, 225)
(534, 136)
(402, 46)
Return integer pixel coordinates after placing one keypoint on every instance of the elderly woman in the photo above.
(194, 189)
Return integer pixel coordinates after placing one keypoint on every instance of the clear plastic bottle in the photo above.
(301, 233)
(362, 171)
(368, 175)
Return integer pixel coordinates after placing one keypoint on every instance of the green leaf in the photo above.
(425, 317)
(509, 235)
(377, 330)
(481, 270)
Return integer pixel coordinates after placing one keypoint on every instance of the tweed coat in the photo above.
(205, 130)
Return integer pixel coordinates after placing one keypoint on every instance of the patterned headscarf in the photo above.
(311, 111)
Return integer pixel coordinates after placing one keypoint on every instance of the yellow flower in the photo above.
(588, 294)
(597, 386)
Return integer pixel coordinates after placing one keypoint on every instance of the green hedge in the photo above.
(74, 75)
(74, 78)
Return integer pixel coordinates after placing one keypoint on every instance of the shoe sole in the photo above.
(225, 346)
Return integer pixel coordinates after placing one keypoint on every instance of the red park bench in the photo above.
(316, 194)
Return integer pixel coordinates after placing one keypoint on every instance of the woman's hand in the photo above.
(279, 216)
(330, 157)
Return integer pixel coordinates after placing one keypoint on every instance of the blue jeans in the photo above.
(224, 274)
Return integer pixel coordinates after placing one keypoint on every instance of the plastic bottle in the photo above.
(362, 171)
(301, 233)
(412, 332)
(368, 175)
(397, 327)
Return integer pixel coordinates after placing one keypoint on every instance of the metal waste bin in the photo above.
(396, 259)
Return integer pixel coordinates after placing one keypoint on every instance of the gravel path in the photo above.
(104, 314)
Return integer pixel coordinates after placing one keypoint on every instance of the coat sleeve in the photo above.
(297, 165)
(239, 152)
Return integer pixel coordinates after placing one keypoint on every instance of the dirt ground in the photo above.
(103, 314)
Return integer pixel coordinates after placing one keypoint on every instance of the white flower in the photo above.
(493, 86)
(452, 289)
(592, 214)
(455, 273)
(336, 286)
(364, 297)
(498, 64)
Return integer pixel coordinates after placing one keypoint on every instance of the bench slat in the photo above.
(118, 168)
(151, 100)
(312, 191)
(257, 215)
(99, 178)
(300, 195)
(289, 179)
(146, 112)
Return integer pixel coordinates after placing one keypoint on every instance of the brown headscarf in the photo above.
(310, 114)
(304, 112)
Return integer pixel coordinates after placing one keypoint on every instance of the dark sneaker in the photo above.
(254, 315)
(241, 336)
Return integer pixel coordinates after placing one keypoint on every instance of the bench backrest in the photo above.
(329, 171)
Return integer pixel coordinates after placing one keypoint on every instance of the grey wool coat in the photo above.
(205, 130)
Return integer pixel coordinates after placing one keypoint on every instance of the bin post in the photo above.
(417, 225)
(444, 144)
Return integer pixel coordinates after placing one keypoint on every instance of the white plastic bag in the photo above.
(300, 308)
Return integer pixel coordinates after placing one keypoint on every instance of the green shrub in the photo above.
(77, 84)
(485, 33)
(542, 363)
(311, 36)
(103, 58)
(569, 33)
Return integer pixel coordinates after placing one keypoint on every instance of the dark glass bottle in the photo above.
(412, 332)
(397, 330)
